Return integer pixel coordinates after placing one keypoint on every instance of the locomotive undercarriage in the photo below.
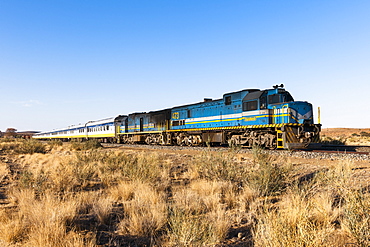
(240, 138)
(179, 139)
(294, 137)
(250, 138)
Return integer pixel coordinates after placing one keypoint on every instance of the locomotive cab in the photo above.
(296, 120)
(273, 112)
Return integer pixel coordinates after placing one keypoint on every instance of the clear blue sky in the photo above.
(66, 62)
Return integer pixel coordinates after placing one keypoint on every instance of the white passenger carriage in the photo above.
(71, 132)
(103, 130)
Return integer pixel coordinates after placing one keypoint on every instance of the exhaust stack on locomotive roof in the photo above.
(277, 86)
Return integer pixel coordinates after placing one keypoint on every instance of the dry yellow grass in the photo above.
(41, 220)
(123, 197)
(144, 212)
(3, 171)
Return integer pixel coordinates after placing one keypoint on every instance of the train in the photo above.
(269, 118)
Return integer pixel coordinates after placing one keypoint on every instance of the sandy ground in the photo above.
(342, 132)
(351, 136)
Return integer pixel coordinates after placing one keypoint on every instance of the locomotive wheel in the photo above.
(187, 141)
(180, 140)
(234, 140)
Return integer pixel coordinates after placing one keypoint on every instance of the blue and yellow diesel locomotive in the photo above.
(269, 118)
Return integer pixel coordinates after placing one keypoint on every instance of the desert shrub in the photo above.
(12, 228)
(264, 176)
(203, 196)
(38, 181)
(355, 203)
(77, 173)
(212, 194)
(308, 213)
(198, 213)
(31, 146)
(299, 219)
(123, 191)
(10, 146)
(357, 216)
(93, 170)
(87, 145)
(132, 195)
(83, 170)
(267, 177)
(44, 220)
(4, 171)
(188, 229)
(102, 208)
(7, 140)
(55, 143)
(145, 213)
(142, 167)
(333, 141)
(137, 167)
(364, 133)
(219, 166)
(74, 173)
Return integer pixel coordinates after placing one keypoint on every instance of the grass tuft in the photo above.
(267, 177)
(87, 145)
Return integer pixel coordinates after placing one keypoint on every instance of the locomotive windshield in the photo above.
(287, 97)
(281, 97)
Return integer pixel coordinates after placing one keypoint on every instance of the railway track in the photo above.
(326, 152)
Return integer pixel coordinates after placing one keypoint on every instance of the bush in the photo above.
(8, 140)
(30, 147)
(297, 220)
(188, 229)
(44, 220)
(88, 145)
(267, 177)
(363, 133)
(145, 214)
(9, 146)
(55, 143)
(331, 141)
(357, 216)
(220, 167)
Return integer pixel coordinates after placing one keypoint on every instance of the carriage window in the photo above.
(250, 105)
(263, 104)
(228, 100)
(189, 114)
